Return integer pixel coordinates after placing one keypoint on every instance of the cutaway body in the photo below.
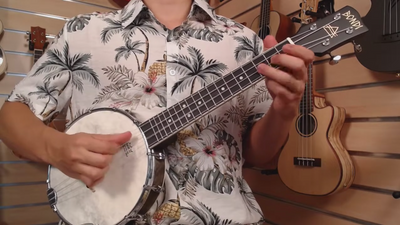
(313, 161)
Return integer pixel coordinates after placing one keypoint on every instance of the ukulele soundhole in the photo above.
(306, 125)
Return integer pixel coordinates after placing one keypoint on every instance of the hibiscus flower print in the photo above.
(209, 151)
(228, 27)
(147, 91)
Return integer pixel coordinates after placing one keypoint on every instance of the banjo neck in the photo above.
(170, 121)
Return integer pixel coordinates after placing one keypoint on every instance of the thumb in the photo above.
(269, 42)
(119, 139)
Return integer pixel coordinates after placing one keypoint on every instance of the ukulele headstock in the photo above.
(37, 38)
(326, 34)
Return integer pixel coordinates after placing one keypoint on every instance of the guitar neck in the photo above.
(202, 102)
(307, 102)
(37, 53)
(264, 17)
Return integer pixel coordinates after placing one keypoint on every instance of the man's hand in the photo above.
(286, 86)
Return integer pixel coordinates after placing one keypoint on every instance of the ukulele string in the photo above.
(76, 180)
(153, 134)
(390, 17)
(384, 17)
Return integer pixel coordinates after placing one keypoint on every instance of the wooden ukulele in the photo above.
(271, 22)
(313, 160)
(381, 45)
(3, 60)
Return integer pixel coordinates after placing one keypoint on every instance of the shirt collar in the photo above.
(134, 7)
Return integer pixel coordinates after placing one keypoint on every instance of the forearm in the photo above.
(265, 140)
(24, 133)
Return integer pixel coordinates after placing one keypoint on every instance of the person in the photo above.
(145, 58)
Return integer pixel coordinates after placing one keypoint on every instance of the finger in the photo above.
(300, 52)
(99, 146)
(89, 174)
(95, 159)
(294, 64)
(269, 42)
(120, 139)
(279, 90)
(282, 78)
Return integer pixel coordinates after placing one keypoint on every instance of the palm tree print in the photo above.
(131, 47)
(64, 64)
(78, 23)
(46, 91)
(247, 48)
(142, 23)
(195, 68)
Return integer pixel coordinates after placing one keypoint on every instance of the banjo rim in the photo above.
(152, 187)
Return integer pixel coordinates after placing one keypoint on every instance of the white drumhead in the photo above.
(122, 186)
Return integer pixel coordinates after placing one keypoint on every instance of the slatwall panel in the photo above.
(22, 184)
(370, 134)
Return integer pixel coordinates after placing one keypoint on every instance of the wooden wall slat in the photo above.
(28, 215)
(22, 172)
(53, 7)
(8, 82)
(6, 154)
(380, 137)
(347, 72)
(20, 195)
(277, 212)
(369, 206)
(17, 63)
(23, 21)
(377, 172)
(380, 101)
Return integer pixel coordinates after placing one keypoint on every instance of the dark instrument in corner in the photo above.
(271, 22)
(381, 45)
(3, 60)
(37, 42)
(313, 160)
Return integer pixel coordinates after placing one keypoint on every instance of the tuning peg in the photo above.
(357, 47)
(28, 33)
(296, 20)
(334, 59)
(396, 194)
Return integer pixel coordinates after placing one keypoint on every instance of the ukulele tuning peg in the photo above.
(396, 194)
(334, 59)
(296, 20)
(357, 47)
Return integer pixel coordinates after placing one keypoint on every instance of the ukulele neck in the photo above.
(37, 53)
(307, 101)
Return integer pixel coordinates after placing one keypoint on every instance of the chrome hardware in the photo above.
(157, 155)
(357, 47)
(153, 188)
(313, 27)
(349, 30)
(326, 42)
(337, 16)
(334, 59)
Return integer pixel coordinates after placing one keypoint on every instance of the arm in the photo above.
(33, 101)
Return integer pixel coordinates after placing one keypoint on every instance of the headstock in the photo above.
(37, 38)
(308, 6)
(326, 34)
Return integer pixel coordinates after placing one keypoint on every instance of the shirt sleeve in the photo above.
(257, 99)
(46, 88)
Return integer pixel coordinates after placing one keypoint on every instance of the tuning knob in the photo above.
(296, 20)
(357, 47)
(334, 59)
(396, 194)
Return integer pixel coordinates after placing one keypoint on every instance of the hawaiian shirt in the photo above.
(128, 60)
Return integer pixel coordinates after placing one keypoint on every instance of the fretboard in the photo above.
(264, 17)
(182, 114)
(37, 54)
(307, 102)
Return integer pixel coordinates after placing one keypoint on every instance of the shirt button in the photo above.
(172, 72)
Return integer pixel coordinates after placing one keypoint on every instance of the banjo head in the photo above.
(121, 194)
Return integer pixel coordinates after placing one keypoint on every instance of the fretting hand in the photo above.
(286, 86)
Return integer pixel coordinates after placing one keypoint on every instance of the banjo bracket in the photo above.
(153, 188)
(157, 155)
(139, 219)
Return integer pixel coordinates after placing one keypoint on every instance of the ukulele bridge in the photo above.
(307, 162)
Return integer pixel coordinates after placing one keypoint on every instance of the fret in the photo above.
(156, 130)
(232, 83)
(194, 105)
(223, 89)
(215, 94)
(201, 102)
(161, 124)
(37, 54)
(181, 113)
(187, 112)
(169, 120)
(165, 123)
(210, 101)
(174, 117)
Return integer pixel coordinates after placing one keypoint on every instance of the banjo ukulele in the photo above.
(136, 174)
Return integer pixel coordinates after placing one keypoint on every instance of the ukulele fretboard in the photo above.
(36, 55)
